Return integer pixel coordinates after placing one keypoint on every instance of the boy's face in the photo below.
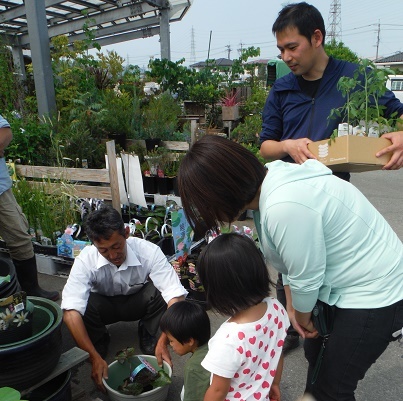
(179, 348)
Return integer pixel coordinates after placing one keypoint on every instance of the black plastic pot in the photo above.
(163, 185)
(175, 186)
(57, 389)
(152, 143)
(7, 268)
(150, 185)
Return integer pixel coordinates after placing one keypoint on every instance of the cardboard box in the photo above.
(351, 153)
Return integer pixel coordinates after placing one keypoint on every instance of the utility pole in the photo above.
(334, 22)
(240, 49)
(229, 51)
(378, 39)
(192, 47)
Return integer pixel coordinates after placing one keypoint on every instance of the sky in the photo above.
(236, 24)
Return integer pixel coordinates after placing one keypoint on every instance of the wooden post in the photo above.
(193, 128)
(113, 175)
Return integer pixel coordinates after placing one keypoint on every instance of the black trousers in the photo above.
(358, 339)
(146, 304)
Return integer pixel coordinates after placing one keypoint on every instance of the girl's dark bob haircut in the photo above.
(233, 273)
(217, 179)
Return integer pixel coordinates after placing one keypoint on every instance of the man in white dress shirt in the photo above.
(118, 278)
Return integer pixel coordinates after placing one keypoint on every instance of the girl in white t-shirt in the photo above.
(244, 356)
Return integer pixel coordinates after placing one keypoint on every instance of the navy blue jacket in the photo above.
(290, 114)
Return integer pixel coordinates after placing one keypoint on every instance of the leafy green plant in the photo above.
(362, 92)
(140, 380)
(160, 117)
(49, 210)
(248, 131)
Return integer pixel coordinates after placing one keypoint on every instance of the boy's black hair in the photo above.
(185, 320)
(233, 273)
(303, 16)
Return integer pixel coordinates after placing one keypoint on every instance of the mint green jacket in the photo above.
(327, 239)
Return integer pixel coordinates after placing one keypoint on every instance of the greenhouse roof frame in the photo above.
(113, 21)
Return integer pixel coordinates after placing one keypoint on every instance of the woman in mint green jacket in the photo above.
(327, 240)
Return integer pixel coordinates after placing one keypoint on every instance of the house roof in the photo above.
(259, 61)
(394, 58)
(219, 62)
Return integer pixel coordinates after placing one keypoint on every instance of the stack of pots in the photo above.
(27, 362)
(7, 269)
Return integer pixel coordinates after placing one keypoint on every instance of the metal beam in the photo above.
(125, 28)
(102, 18)
(125, 37)
(165, 42)
(40, 53)
(158, 3)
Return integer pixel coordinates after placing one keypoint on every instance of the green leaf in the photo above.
(9, 394)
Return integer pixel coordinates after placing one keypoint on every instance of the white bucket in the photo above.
(118, 372)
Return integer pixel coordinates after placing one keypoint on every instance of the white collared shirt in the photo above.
(91, 272)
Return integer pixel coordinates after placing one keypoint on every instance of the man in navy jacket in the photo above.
(298, 106)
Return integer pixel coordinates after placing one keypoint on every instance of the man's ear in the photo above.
(317, 38)
(127, 232)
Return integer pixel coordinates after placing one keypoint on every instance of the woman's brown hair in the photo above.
(217, 179)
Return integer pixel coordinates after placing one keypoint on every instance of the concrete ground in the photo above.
(382, 382)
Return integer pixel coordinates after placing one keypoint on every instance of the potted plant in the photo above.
(160, 119)
(134, 377)
(362, 110)
(230, 106)
(149, 180)
(363, 116)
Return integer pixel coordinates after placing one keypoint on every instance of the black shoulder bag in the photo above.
(322, 318)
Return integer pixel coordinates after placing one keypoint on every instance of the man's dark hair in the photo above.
(185, 320)
(303, 16)
(233, 273)
(102, 223)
